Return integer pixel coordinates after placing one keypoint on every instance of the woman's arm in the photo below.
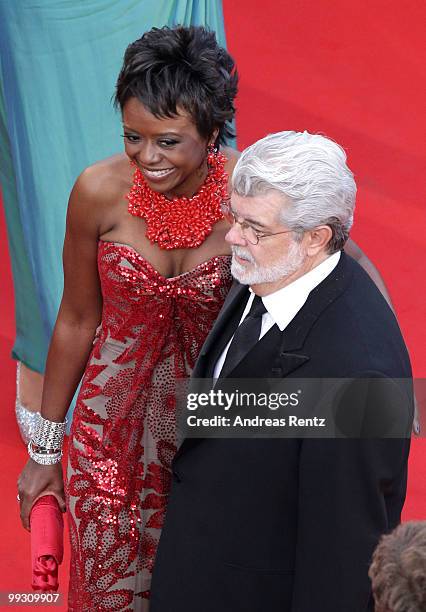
(81, 305)
(352, 249)
(78, 317)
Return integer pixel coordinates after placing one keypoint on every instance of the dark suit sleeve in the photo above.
(350, 492)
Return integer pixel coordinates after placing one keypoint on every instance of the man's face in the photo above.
(276, 260)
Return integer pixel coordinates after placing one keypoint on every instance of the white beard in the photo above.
(256, 275)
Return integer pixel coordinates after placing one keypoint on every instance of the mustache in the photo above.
(241, 252)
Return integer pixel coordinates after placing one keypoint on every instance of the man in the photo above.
(289, 525)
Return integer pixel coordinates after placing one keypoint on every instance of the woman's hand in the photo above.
(35, 480)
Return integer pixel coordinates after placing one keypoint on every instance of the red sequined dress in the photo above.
(123, 431)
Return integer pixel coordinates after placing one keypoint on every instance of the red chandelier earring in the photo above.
(212, 149)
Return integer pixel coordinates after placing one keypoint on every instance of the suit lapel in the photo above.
(222, 331)
(268, 359)
(278, 354)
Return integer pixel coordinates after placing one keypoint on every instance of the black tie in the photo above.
(245, 337)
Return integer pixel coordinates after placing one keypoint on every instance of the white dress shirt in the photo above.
(284, 304)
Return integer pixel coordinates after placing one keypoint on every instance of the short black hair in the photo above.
(181, 67)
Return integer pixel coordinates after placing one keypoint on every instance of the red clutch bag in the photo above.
(47, 543)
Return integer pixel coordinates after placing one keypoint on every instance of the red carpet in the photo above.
(351, 71)
(14, 541)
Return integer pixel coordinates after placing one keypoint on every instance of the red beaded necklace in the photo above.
(181, 223)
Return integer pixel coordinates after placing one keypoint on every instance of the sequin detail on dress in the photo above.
(123, 432)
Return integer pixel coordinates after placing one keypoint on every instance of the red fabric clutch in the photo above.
(47, 543)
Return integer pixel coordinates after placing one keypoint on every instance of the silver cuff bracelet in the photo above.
(44, 458)
(49, 435)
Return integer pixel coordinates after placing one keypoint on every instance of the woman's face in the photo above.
(170, 153)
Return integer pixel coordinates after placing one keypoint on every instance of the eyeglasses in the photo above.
(248, 232)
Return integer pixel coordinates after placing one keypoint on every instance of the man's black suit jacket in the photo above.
(288, 525)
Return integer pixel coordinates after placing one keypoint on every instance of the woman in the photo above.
(155, 279)
(145, 265)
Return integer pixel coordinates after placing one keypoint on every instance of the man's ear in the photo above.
(317, 239)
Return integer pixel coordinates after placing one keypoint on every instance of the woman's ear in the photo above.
(213, 137)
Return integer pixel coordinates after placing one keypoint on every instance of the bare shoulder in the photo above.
(96, 194)
(232, 156)
(105, 181)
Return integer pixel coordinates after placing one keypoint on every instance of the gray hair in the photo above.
(311, 171)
